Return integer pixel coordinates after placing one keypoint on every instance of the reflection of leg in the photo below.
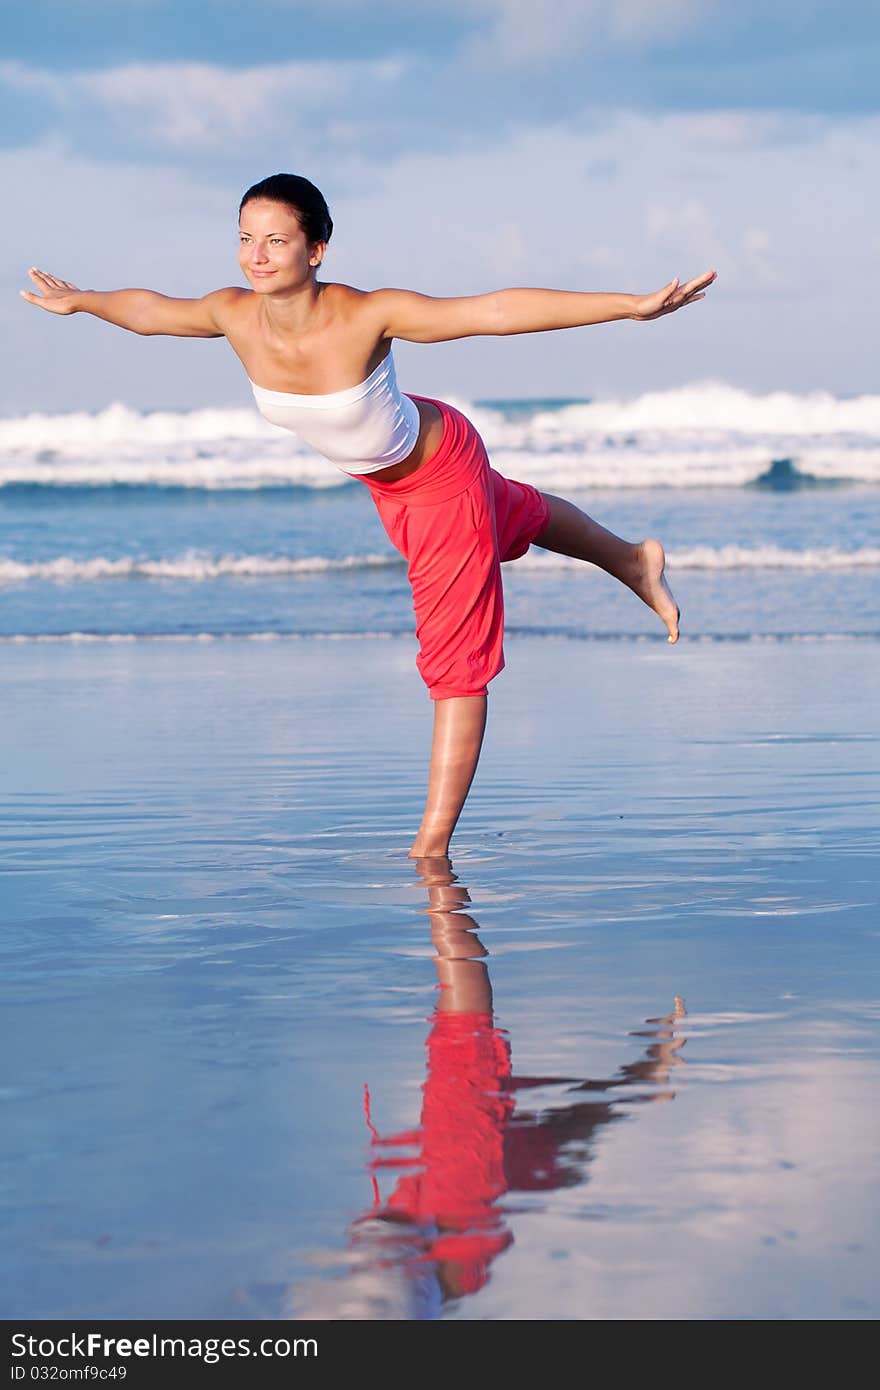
(659, 1059)
(678, 1011)
(640, 566)
(461, 974)
(464, 984)
(459, 724)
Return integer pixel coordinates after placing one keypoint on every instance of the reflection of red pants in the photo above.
(454, 520)
(466, 1111)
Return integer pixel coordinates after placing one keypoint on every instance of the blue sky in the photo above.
(462, 145)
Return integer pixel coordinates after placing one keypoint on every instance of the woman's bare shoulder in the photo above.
(229, 302)
(343, 299)
(360, 310)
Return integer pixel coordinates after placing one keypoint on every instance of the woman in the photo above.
(318, 356)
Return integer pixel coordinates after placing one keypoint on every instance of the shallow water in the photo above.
(213, 942)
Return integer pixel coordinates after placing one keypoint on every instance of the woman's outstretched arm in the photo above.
(140, 311)
(418, 318)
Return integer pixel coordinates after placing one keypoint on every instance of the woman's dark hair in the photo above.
(302, 197)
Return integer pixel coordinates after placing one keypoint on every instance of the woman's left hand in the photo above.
(672, 296)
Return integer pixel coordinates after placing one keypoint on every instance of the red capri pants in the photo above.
(454, 520)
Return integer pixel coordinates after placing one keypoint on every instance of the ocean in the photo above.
(125, 524)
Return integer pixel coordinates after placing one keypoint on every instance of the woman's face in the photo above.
(273, 251)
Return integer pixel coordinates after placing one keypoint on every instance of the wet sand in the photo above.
(658, 1057)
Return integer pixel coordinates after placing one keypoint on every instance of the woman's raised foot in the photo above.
(649, 582)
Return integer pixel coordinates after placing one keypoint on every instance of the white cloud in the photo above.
(603, 260)
(524, 34)
(531, 204)
(505, 247)
(193, 103)
(19, 77)
(722, 132)
(199, 106)
(686, 227)
(756, 255)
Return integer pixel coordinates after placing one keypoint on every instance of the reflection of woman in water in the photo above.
(319, 359)
(436, 1234)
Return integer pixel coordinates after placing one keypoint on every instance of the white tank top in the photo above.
(361, 429)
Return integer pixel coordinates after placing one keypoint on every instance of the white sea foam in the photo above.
(640, 464)
(191, 566)
(703, 435)
(770, 557)
(195, 567)
(119, 425)
(99, 638)
(714, 407)
(736, 557)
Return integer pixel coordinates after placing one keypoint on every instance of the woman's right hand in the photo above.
(57, 296)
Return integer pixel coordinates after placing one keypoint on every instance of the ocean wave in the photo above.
(121, 425)
(259, 470)
(643, 464)
(191, 566)
(716, 408)
(195, 567)
(637, 466)
(99, 638)
(735, 557)
(704, 435)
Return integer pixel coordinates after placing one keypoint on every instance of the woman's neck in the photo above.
(295, 312)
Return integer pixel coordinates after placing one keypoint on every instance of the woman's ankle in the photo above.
(430, 844)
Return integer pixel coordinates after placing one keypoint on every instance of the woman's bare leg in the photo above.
(640, 566)
(459, 724)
